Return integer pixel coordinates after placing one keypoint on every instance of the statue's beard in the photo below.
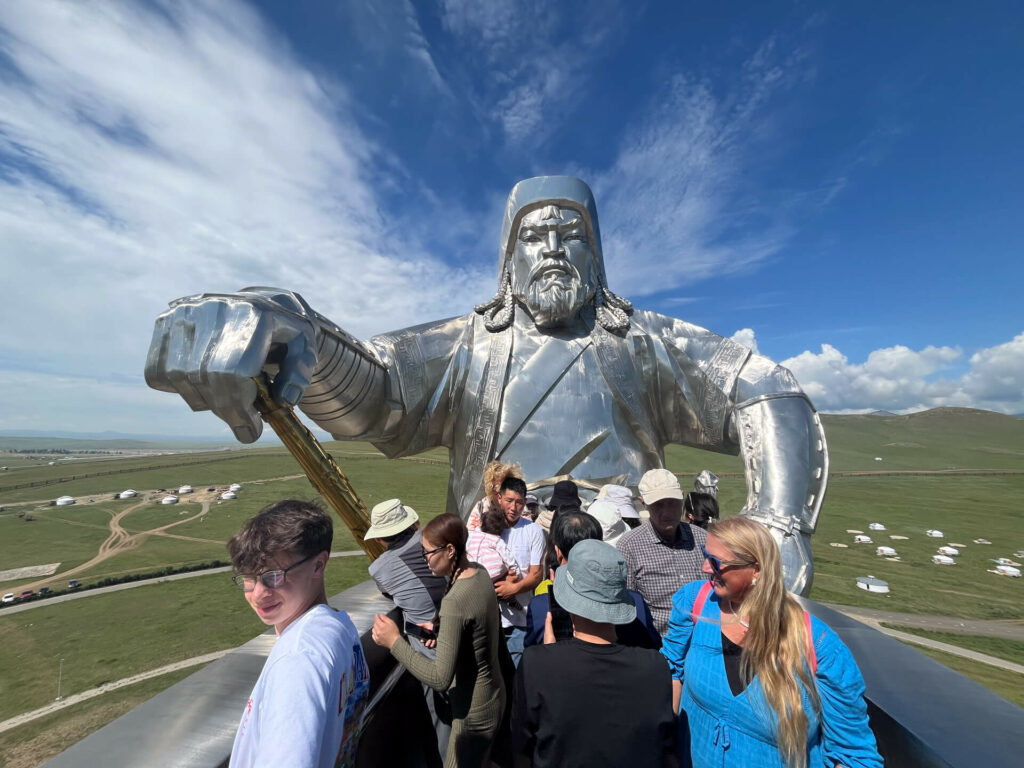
(555, 298)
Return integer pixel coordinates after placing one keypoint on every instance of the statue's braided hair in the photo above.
(499, 311)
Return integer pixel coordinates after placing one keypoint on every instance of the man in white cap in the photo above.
(401, 574)
(567, 701)
(532, 506)
(664, 553)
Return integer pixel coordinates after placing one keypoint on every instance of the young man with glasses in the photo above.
(305, 705)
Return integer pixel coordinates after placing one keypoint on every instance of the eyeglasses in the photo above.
(269, 579)
(717, 562)
(428, 552)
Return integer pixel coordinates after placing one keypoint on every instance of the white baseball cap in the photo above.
(658, 484)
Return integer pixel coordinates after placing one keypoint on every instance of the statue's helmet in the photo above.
(563, 192)
(533, 194)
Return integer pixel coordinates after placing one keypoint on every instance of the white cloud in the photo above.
(157, 152)
(893, 379)
(675, 206)
(745, 336)
(997, 376)
(533, 59)
(903, 380)
(154, 151)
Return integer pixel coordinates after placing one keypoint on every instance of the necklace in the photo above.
(732, 610)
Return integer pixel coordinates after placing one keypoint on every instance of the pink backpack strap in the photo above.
(702, 596)
(812, 656)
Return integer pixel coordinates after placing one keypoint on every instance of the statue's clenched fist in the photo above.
(208, 348)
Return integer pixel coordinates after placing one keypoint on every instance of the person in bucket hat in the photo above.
(400, 573)
(554, 720)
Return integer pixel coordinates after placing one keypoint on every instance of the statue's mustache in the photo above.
(559, 266)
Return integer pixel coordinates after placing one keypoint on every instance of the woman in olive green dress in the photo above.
(468, 637)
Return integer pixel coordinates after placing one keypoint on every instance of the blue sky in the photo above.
(838, 185)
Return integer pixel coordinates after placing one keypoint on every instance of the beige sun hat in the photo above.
(658, 484)
(390, 517)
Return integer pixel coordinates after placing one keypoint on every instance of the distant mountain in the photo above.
(111, 436)
(881, 413)
(42, 440)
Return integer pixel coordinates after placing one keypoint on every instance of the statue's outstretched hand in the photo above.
(208, 348)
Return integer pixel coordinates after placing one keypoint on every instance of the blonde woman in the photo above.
(494, 475)
(765, 684)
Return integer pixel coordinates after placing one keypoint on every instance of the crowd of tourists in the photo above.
(577, 626)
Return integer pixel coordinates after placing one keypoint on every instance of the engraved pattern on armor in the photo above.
(618, 370)
(721, 370)
(487, 410)
(413, 383)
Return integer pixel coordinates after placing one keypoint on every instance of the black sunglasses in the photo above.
(717, 562)
(269, 579)
(428, 552)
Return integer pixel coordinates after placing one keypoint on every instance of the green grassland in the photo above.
(115, 635)
(150, 472)
(38, 741)
(1000, 647)
(1009, 685)
(963, 508)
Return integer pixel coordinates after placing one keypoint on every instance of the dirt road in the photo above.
(121, 540)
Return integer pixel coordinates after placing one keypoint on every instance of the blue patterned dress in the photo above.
(725, 730)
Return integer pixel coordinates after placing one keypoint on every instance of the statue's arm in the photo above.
(785, 460)
(715, 394)
(208, 348)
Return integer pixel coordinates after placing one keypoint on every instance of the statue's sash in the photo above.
(620, 372)
(484, 426)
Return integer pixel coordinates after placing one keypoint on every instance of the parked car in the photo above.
(26, 595)
(74, 584)
(43, 591)
(8, 598)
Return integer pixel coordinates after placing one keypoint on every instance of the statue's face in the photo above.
(553, 266)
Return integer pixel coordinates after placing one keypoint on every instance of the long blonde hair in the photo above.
(775, 647)
(494, 475)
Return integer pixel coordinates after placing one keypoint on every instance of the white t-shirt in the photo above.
(309, 696)
(526, 540)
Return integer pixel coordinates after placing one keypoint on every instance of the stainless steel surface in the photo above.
(192, 724)
(555, 372)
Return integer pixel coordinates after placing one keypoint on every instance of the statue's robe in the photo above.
(597, 406)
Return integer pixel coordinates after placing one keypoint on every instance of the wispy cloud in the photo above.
(534, 58)
(153, 151)
(676, 208)
(150, 152)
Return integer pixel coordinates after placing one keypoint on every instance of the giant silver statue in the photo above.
(555, 372)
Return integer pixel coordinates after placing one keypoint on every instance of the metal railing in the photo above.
(922, 713)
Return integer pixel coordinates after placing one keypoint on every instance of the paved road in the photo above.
(133, 584)
(1009, 629)
(67, 701)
